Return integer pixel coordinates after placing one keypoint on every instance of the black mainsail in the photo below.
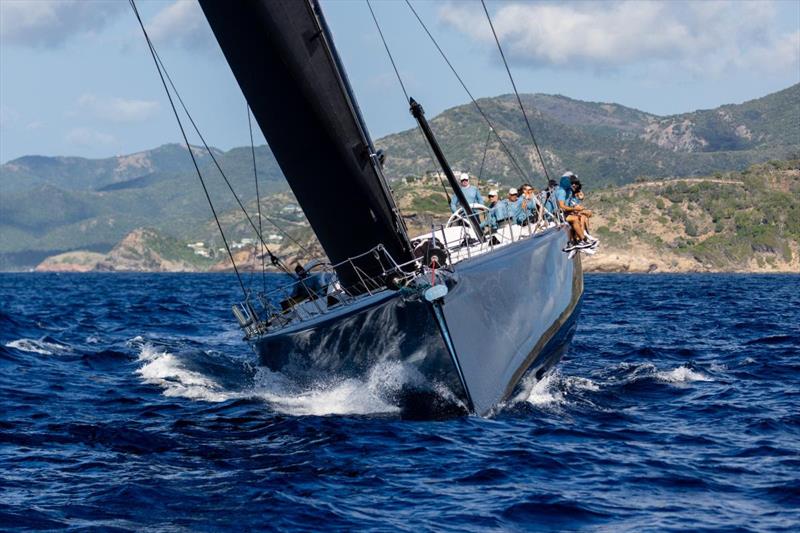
(287, 67)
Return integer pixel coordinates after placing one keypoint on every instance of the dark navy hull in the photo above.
(508, 313)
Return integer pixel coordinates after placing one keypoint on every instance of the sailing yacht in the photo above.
(469, 314)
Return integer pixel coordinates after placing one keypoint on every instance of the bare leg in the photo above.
(577, 227)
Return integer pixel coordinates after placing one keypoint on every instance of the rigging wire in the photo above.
(506, 149)
(273, 258)
(386, 46)
(188, 146)
(230, 187)
(514, 85)
(258, 201)
(408, 100)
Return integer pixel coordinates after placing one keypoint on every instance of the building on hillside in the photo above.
(199, 248)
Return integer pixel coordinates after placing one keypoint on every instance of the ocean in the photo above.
(130, 402)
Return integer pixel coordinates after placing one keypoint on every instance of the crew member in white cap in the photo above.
(492, 198)
(506, 210)
(471, 193)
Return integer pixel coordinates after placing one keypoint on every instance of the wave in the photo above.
(544, 392)
(338, 397)
(682, 374)
(40, 346)
(202, 378)
(553, 389)
(165, 370)
(556, 390)
(377, 393)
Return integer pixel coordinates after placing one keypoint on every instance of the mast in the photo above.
(285, 62)
(419, 114)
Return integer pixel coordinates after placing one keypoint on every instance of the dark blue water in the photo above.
(129, 402)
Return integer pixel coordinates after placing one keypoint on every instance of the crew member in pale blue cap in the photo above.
(471, 193)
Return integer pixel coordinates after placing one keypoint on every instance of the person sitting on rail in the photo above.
(563, 199)
(505, 212)
(471, 193)
(584, 214)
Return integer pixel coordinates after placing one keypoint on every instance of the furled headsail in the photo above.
(287, 67)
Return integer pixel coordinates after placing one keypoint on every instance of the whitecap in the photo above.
(165, 370)
(38, 346)
(682, 374)
(582, 384)
(372, 395)
(137, 341)
(349, 396)
(544, 392)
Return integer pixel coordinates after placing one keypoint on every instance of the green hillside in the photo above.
(52, 214)
(740, 221)
(735, 221)
(610, 143)
(55, 204)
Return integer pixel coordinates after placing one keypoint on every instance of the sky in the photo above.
(76, 78)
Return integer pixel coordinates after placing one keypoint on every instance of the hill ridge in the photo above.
(94, 203)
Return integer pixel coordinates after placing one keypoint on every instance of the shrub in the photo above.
(691, 228)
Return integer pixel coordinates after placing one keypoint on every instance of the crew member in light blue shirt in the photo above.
(506, 211)
(471, 193)
(548, 197)
(528, 207)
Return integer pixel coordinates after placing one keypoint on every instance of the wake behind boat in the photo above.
(469, 310)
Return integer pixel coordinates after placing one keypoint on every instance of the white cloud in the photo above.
(49, 23)
(89, 137)
(117, 109)
(181, 23)
(704, 37)
(782, 55)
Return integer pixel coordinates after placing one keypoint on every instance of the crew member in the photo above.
(548, 199)
(563, 199)
(492, 198)
(505, 212)
(584, 214)
(528, 208)
(471, 193)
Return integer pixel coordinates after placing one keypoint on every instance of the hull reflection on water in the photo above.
(508, 313)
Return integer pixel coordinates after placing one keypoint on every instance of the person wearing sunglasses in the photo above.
(471, 193)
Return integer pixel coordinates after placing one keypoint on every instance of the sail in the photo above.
(286, 65)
